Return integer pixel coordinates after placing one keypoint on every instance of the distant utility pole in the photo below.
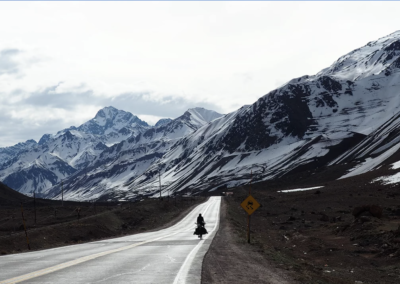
(62, 193)
(159, 180)
(34, 203)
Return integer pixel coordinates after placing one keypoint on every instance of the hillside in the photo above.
(8, 196)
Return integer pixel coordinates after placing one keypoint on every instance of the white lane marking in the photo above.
(184, 270)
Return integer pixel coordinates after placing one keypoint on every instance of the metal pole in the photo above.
(248, 228)
(159, 180)
(62, 194)
(34, 203)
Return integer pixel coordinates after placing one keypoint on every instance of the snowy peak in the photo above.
(168, 129)
(199, 116)
(110, 119)
(163, 121)
(45, 138)
(372, 59)
(106, 113)
(110, 113)
(205, 114)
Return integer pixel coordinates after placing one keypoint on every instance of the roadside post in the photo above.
(249, 205)
(62, 193)
(159, 181)
(34, 203)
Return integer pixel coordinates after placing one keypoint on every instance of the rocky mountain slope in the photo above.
(7, 153)
(347, 110)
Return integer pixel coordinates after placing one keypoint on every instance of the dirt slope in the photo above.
(8, 196)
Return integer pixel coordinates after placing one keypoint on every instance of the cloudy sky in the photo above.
(60, 62)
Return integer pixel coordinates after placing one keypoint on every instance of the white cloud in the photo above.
(150, 119)
(157, 58)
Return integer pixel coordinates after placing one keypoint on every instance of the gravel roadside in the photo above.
(231, 260)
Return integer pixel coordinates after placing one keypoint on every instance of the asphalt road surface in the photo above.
(172, 255)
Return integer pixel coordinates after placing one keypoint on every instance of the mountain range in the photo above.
(112, 140)
(347, 114)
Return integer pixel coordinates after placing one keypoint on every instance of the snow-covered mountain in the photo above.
(112, 137)
(163, 121)
(32, 166)
(130, 158)
(8, 153)
(346, 114)
(113, 125)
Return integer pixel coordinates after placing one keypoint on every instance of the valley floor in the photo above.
(58, 225)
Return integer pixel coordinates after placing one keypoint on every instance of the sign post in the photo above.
(249, 205)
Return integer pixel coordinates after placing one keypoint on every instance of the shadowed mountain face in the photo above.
(347, 113)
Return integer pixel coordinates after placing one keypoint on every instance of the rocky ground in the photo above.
(231, 260)
(345, 232)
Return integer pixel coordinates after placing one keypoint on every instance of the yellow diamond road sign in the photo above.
(250, 205)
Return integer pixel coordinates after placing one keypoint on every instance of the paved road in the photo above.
(172, 255)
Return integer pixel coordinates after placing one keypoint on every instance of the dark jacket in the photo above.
(200, 220)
